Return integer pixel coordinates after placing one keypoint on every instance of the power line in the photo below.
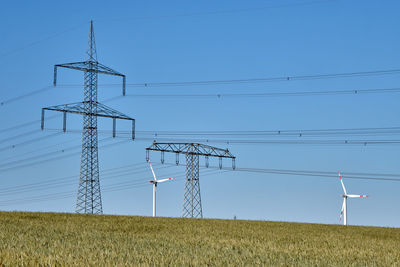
(217, 12)
(41, 156)
(275, 94)
(54, 35)
(38, 91)
(269, 79)
(68, 194)
(60, 179)
(246, 81)
(294, 133)
(38, 150)
(53, 183)
(267, 141)
(29, 141)
(25, 124)
(122, 186)
(14, 99)
(18, 49)
(346, 175)
(383, 131)
(69, 180)
(277, 142)
(283, 132)
(316, 174)
(25, 134)
(40, 161)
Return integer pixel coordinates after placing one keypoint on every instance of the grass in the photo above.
(51, 239)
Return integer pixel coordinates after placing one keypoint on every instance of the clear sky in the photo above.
(177, 41)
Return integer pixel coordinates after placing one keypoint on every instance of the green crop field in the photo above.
(51, 239)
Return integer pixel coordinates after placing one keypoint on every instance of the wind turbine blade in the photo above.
(341, 211)
(154, 175)
(164, 180)
(341, 181)
(357, 195)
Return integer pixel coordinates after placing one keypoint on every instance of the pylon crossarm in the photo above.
(80, 108)
(107, 70)
(91, 66)
(191, 148)
(109, 112)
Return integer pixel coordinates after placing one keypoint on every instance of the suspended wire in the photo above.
(124, 186)
(177, 178)
(259, 80)
(275, 142)
(316, 174)
(295, 133)
(382, 131)
(25, 134)
(263, 141)
(64, 178)
(192, 14)
(38, 150)
(246, 81)
(41, 156)
(55, 196)
(29, 141)
(14, 99)
(68, 194)
(25, 124)
(18, 49)
(275, 94)
(295, 142)
(56, 183)
(345, 175)
(113, 98)
(141, 136)
(54, 35)
(71, 180)
(38, 91)
(40, 161)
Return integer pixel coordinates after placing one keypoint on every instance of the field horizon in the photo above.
(204, 218)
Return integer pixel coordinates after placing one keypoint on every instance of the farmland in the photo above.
(97, 240)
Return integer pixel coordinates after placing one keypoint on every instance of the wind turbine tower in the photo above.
(155, 183)
(89, 194)
(343, 212)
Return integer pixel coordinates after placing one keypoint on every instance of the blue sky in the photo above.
(156, 41)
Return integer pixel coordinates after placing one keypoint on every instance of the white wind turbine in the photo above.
(155, 182)
(343, 212)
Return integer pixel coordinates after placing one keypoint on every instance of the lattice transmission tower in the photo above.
(89, 193)
(191, 198)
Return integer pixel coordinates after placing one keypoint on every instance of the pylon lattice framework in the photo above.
(191, 198)
(89, 193)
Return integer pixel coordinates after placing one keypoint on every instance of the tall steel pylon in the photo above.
(191, 198)
(89, 193)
